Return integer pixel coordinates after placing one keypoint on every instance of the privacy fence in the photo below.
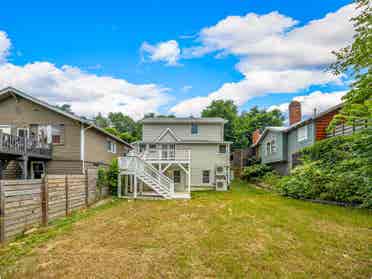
(28, 203)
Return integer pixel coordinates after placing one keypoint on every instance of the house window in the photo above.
(206, 176)
(111, 146)
(270, 147)
(177, 176)
(194, 129)
(142, 147)
(302, 133)
(58, 134)
(152, 148)
(222, 149)
(5, 129)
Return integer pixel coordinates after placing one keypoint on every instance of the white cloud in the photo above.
(168, 52)
(275, 55)
(186, 88)
(258, 83)
(316, 100)
(4, 46)
(87, 93)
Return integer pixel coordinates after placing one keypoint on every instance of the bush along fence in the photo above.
(25, 204)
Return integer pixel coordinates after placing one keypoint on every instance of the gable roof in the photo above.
(168, 120)
(10, 91)
(166, 131)
(296, 125)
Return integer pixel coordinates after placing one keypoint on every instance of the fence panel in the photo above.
(20, 206)
(28, 203)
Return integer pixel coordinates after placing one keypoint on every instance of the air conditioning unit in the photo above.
(220, 171)
(221, 185)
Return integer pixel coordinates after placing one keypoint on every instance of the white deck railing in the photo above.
(133, 163)
(24, 146)
(166, 155)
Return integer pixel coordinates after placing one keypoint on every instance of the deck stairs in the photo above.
(134, 164)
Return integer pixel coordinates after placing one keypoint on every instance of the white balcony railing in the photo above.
(166, 155)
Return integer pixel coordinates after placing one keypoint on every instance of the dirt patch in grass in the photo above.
(245, 233)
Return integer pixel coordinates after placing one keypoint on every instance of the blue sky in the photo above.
(173, 56)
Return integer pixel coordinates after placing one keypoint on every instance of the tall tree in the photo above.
(254, 119)
(101, 121)
(227, 110)
(66, 108)
(356, 59)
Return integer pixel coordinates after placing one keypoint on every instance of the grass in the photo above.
(244, 233)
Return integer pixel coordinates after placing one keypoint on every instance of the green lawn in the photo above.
(245, 233)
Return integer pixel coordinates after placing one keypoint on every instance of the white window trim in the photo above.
(197, 129)
(179, 176)
(113, 147)
(206, 183)
(218, 149)
(305, 135)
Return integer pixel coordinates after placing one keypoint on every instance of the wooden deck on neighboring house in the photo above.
(22, 149)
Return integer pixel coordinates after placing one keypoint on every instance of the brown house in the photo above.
(37, 138)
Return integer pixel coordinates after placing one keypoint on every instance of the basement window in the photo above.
(206, 177)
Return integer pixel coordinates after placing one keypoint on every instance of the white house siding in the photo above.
(207, 132)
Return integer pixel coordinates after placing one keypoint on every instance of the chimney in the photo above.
(294, 112)
(256, 136)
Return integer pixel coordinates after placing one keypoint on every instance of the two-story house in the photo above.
(38, 138)
(186, 153)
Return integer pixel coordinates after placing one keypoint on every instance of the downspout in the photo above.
(82, 143)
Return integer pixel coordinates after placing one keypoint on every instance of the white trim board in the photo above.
(168, 130)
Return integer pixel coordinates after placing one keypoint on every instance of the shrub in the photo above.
(101, 178)
(336, 169)
(255, 171)
(112, 176)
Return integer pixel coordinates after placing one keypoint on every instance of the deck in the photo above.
(14, 146)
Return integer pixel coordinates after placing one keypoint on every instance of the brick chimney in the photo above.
(294, 112)
(256, 136)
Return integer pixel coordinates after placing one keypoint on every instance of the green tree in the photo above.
(227, 110)
(66, 108)
(252, 120)
(356, 59)
(101, 121)
(124, 123)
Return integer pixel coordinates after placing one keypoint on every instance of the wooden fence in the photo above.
(28, 203)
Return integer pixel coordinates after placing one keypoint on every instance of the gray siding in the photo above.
(294, 145)
(210, 132)
(277, 156)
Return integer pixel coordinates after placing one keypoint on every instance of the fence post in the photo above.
(66, 192)
(2, 212)
(86, 188)
(44, 200)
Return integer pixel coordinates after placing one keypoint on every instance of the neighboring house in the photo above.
(186, 153)
(279, 146)
(38, 138)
